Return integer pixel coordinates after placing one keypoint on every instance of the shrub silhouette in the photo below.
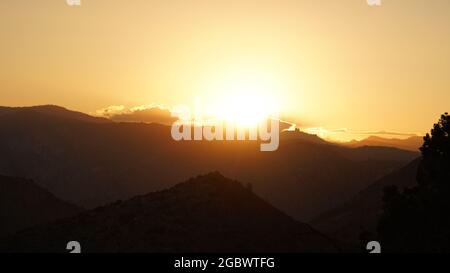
(418, 219)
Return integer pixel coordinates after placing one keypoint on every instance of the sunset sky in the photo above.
(325, 63)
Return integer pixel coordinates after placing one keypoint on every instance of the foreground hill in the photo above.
(24, 204)
(93, 163)
(346, 222)
(208, 213)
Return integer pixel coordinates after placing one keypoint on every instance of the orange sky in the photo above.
(327, 63)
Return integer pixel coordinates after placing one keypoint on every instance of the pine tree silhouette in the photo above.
(418, 219)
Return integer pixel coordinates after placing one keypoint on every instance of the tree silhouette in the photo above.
(418, 219)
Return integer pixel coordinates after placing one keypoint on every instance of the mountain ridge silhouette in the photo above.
(24, 204)
(94, 163)
(411, 143)
(360, 214)
(208, 213)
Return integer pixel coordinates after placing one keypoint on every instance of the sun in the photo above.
(245, 100)
(245, 110)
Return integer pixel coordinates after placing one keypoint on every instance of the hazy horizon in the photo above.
(344, 69)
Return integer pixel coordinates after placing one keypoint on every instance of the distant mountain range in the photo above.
(347, 221)
(24, 204)
(92, 161)
(209, 213)
(51, 112)
(412, 143)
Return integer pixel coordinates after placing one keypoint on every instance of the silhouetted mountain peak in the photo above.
(208, 213)
(213, 180)
(297, 134)
(47, 113)
(411, 143)
(24, 204)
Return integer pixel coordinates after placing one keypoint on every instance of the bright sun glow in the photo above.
(244, 100)
(244, 109)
